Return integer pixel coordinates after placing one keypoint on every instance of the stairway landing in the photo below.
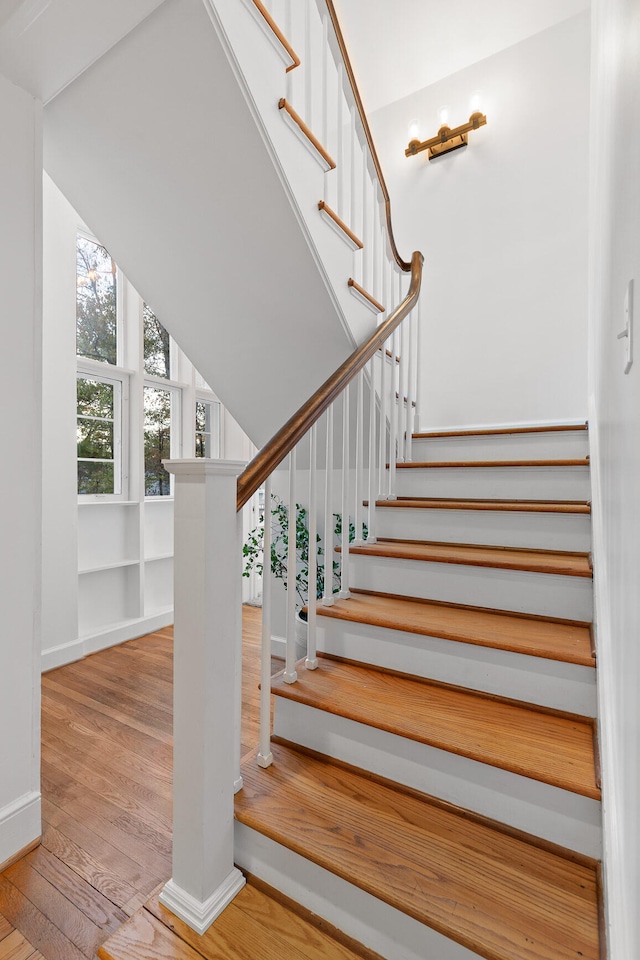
(258, 923)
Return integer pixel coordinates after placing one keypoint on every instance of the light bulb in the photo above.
(476, 102)
(443, 116)
(414, 130)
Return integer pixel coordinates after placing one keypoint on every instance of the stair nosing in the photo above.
(376, 549)
(502, 431)
(571, 507)
(490, 464)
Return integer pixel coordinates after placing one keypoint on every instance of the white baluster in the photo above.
(307, 67)
(373, 289)
(402, 372)
(359, 458)
(344, 553)
(384, 398)
(288, 30)
(393, 402)
(364, 257)
(353, 170)
(265, 757)
(325, 92)
(340, 171)
(410, 322)
(311, 662)
(290, 675)
(418, 361)
(327, 597)
(373, 465)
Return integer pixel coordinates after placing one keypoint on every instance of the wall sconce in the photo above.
(447, 138)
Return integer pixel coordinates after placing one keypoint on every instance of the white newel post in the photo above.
(207, 597)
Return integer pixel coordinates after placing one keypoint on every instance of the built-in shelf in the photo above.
(110, 503)
(159, 556)
(99, 568)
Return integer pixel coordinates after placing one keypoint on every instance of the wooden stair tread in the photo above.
(526, 740)
(253, 925)
(499, 431)
(516, 506)
(505, 558)
(535, 636)
(427, 464)
(488, 890)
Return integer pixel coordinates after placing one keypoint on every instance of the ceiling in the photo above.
(400, 47)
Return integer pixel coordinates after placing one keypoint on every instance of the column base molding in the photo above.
(197, 915)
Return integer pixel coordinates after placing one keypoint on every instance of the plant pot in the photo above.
(301, 634)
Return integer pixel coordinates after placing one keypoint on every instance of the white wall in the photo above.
(615, 431)
(502, 224)
(20, 441)
(59, 495)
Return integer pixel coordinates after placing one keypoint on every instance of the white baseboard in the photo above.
(92, 643)
(20, 824)
(278, 646)
(199, 916)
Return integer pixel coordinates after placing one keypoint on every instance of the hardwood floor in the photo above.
(106, 788)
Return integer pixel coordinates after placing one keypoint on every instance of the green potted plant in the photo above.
(253, 558)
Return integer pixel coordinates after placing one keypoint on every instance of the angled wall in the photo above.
(157, 149)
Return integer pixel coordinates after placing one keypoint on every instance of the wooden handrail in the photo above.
(274, 452)
(403, 264)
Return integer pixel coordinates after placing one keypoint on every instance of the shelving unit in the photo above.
(125, 568)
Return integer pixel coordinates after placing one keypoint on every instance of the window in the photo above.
(96, 302)
(157, 345)
(207, 428)
(99, 403)
(160, 415)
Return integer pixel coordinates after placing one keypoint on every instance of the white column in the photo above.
(207, 564)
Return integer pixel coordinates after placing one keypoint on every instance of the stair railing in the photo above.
(355, 424)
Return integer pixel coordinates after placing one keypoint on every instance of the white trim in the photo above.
(614, 844)
(111, 636)
(20, 824)
(196, 914)
(275, 41)
(200, 467)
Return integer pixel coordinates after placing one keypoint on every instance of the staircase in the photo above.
(431, 788)
(435, 789)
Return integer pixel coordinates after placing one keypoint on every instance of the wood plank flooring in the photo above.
(254, 925)
(106, 788)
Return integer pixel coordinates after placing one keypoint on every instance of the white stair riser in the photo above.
(544, 531)
(548, 683)
(548, 595)
(372, 922)
(508, 483)
(540, 809)
(553, 445)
